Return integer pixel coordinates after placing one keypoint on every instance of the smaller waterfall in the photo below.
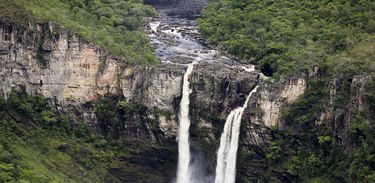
(183, 172)
(227, 153)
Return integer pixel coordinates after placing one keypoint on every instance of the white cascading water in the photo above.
(183, 172)
(177, 37)
(154, 26)
(227, 153)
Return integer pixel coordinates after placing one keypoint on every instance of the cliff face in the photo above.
(342, 116)
(54, 62)
(51, 61)
(74, 74)
(58, 64)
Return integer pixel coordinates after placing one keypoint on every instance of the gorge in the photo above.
(111, 91)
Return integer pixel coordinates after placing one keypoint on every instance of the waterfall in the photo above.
(183, 172)
(227, 153)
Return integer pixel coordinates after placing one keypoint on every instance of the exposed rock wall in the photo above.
(155, 87)
(54, 63)
(272, 98)
(214, 95)
(264, 110)
(58, 64)
(51, 61)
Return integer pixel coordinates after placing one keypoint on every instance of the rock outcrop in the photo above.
(51, 61)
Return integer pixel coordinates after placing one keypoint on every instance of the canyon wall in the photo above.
(56, 63)
(48, 60)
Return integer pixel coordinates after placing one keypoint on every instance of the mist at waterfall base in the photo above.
(200, 170)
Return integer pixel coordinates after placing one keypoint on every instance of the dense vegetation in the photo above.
(286, 36)
(308, 148)
(40, 144)
(305, 151)
(112, 24)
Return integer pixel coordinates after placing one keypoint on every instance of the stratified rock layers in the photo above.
(73, 73)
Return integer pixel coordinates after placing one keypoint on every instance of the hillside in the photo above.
(114, 25)
(288, 36)
(328, 133)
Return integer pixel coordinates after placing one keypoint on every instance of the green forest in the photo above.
(113, 24)
(288, 36)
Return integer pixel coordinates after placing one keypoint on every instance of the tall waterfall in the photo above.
(227, 153)
(183, 172)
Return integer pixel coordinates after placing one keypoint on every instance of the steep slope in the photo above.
(322, 51)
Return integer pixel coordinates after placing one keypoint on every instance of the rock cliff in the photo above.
(51, 61)
(48, 60)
